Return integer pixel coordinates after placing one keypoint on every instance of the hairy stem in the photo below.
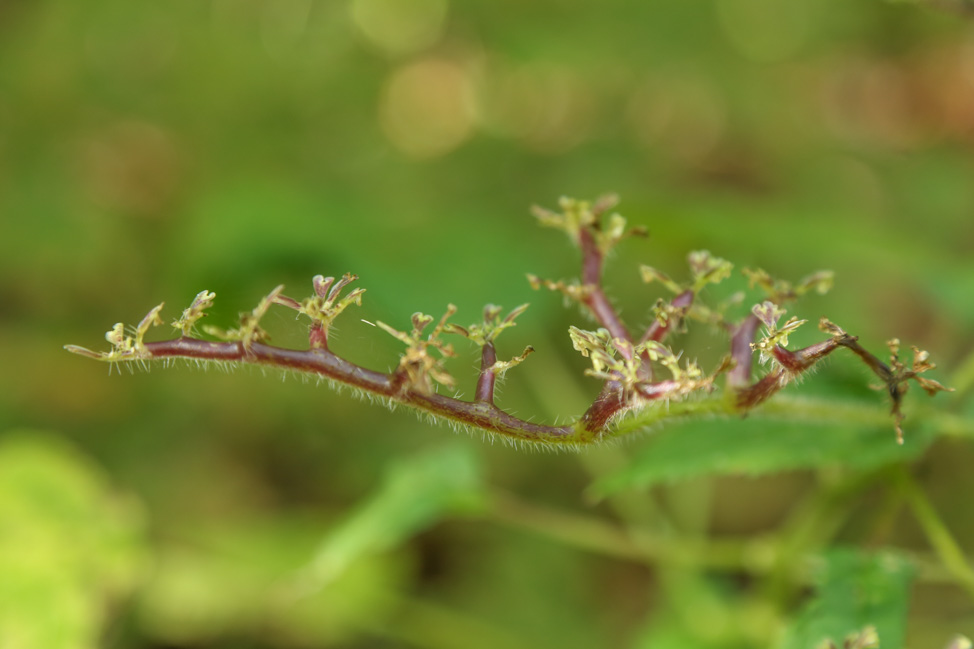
(625, 368)
(595, 298)
(480, 414)
(487, 378)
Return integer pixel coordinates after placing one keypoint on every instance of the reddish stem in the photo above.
(610, 400)
(658, 331)
(487, 378)
(741, 339)
(595, 299)
(324, 363)
(318, 336)
(608, 404)
(752, 395)
(792, 363)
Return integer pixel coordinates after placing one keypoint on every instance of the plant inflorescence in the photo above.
(640, 372)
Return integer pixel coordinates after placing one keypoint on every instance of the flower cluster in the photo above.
(419, 364)
(325, 305)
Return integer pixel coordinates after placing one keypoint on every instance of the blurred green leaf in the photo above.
(756, 446)
(855, 591)
(229, 578)
(69, 545)
(417, 493)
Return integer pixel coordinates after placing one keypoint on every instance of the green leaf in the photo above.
(417, 493)
(855, 591)
(69, 545)
(847, 434)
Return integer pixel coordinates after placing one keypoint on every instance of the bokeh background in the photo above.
(152, 150)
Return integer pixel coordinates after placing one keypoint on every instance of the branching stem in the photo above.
(627, 369)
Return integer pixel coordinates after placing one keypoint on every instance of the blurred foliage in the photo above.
(855, 592)
(71, 549)
(416, 494)
(758, 447)
(152, 150)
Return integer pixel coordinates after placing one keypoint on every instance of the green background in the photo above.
(149, 151)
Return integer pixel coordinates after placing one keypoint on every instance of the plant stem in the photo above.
(638, 545)
(595, 298)
(484, 416)
(600, 421)
(756, 555)
(939, 536)
(627, 369)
